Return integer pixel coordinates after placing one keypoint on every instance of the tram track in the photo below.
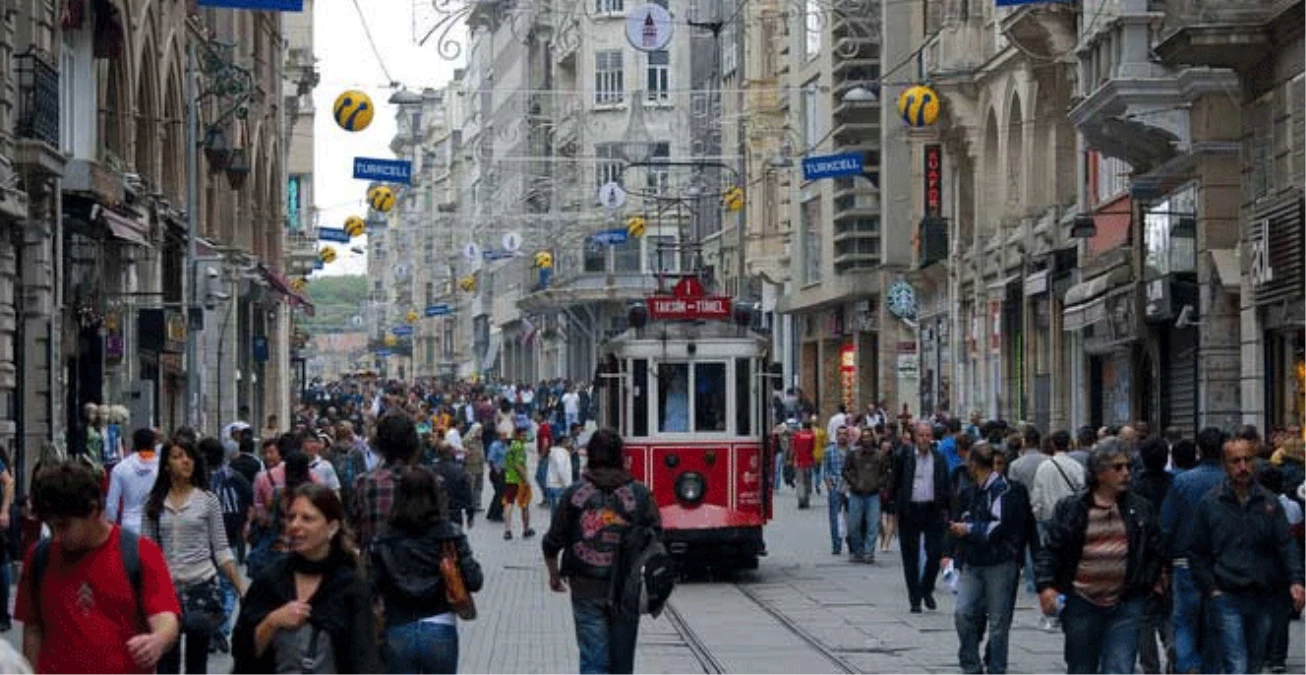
(774, 630)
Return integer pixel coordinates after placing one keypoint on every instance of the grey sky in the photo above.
(345, 61)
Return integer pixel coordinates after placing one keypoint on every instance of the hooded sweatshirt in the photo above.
(130, 484)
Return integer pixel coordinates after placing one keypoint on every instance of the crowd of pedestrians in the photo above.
(1155, 553)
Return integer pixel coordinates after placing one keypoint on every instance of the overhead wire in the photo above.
(367, 31)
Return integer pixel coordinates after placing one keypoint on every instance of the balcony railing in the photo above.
(38, 97)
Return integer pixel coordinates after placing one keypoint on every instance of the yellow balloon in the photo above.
(391, 340)
(381, 198)
(355, 226)
(919, 106)
(544, 260)
(635, 227)
(353, 110)
(298, 284)
(468, 284)
(412, 316)
(327, 255)
(734, 199)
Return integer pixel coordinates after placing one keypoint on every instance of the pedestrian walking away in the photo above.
(587, 529)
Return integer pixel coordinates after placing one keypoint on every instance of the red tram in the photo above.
(687, 386)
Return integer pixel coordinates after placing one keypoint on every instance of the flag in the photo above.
(529, 331)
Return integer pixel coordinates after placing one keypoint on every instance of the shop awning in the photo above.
(1001, 284)
(124, 228)
(279, 284)
(1084, 291)
(1083, 315)
(1224, 263)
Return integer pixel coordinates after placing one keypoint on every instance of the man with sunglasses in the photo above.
(1242, 556)
(1103, 554)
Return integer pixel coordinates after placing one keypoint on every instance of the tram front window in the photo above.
(673, 397)
(710, 397)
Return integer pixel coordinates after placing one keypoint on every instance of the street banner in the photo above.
(261, 5)
(831, 166)
(332, 234)
(441, 309)
(401, 331)
(383, 170)
(611, 237)
(492, 255)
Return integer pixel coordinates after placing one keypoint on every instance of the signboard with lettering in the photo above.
(332, 234)
(440, 309)
(174, 331)
(688, 301)
(261, 5)
(384, 170)
(933, 180)
(831, 166)
(611, 237)
(402, 330)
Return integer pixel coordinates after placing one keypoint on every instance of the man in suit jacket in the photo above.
(924, 494)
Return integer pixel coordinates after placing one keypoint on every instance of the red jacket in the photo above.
(804, 448)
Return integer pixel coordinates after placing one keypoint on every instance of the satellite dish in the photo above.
(512, 242)
(471, 251)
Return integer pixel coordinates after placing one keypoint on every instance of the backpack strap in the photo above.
(40, 559)
(129, 546)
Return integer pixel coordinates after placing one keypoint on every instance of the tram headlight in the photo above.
(690, 487)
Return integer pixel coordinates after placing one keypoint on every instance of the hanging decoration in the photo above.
(635, 226)
(544, 260)
(355, 226)
(353, 110)
(381, 198)
(919, 106)
(734, 199)
(467, 283)
(327, 255)
(412, 316)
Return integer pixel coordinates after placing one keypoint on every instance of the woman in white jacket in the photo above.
(559, 471)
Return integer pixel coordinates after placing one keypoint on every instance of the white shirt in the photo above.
(837, 420)
(326, 474)
(559, 467)
(452, 437)
(571, 403)
(922, 484)
(527, 395)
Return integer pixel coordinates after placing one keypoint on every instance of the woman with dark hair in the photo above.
(185, 518)
(267, 538)
(421, 628)
(311, 612)
(588, 526)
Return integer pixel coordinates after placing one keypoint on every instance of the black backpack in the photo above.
(129, 546)
(645, 573)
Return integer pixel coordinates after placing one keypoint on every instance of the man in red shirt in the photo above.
(803, 445)
(86, 617)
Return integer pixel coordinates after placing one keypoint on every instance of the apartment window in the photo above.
(625, 256)
(811, 116)
(430, 351)
(1260, 150)
(729, 50)
(1297, 96)
(448, 340)
(608, 164)
(659, 177)
(660, 254)
(596, 257)
(659, 70)
(609, 6)
(813, 25)
(430, 292)
(609, 78)
(811, 224)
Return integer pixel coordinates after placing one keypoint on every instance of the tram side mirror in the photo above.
(777, 373)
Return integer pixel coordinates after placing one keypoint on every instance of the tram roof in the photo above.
(716, 331)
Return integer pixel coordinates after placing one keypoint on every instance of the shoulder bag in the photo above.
(455, 590)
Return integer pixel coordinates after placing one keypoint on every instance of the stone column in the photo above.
(42, 400)
(8, 333)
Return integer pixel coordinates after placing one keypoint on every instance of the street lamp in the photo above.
(860, 94)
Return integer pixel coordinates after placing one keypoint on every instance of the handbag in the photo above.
(455, 590)
(202, 607)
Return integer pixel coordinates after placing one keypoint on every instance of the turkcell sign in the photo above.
(383, 353)
(441, 309)
(611, 237)
(492, 255)
(402, 330)
(262, 5)
(830, 166)
(384, 170)
(332, 234)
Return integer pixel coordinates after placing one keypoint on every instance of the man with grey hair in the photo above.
(1103, 555)
(924, 494)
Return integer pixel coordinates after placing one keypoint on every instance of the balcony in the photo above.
(1234, 34)
(38, 98)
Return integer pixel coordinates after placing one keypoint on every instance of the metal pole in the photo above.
(192, 232)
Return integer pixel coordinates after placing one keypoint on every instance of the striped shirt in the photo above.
(192, 537)
(1100, 578)
(832, 467)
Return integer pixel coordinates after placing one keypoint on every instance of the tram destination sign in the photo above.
(671, 308)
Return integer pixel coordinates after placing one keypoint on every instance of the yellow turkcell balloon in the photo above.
(733, 199)
(412, 316)
(467, 284)
(391, 340)
(544, 260)
(381, 198)
(635, 227)
(327, 255)
(353, 110)
(919, 106)
(355, 226)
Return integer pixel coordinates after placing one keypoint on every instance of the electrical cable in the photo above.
(377, 52)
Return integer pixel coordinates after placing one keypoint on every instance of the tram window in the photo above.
(639, 412)
(743, 399)
(673, 397)
(709, 397)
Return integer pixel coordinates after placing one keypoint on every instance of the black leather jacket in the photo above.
(591, 518)
(1056, 562)
(406, 571)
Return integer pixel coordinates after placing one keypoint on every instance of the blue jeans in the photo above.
(229, 599)
(606, 638)
(863, 522)
(779, 470)
(1244, 624)
(1101, 639)
(552, 495)
(984, 599)
(422, 647)
(1197, 649)
(542, 477)
(835, 505)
